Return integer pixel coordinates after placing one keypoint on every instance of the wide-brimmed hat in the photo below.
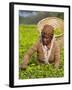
(57, 23)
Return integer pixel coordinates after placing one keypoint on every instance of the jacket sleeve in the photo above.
(57, 55)
(29, 53)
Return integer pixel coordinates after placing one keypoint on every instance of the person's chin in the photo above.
(45, 43)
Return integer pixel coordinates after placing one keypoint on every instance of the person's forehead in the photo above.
(47, 33)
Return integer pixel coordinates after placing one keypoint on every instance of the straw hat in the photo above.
(53, 21)
(57, 23)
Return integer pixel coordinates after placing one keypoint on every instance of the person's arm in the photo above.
(28, 55)
(57, 55)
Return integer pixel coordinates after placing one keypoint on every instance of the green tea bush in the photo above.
(28, 35)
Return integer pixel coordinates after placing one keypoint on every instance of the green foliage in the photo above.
(58, 31)
(28, 35)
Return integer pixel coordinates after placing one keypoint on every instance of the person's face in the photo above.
(46, 38)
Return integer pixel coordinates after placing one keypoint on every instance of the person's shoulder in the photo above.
(56, 44)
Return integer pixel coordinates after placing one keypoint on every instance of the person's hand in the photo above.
(56, 66)
(22, 66)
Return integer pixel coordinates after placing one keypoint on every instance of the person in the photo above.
(47, 49)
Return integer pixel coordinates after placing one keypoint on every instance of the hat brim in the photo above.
(57, 23)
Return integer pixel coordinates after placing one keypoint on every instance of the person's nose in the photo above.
(45, 39)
